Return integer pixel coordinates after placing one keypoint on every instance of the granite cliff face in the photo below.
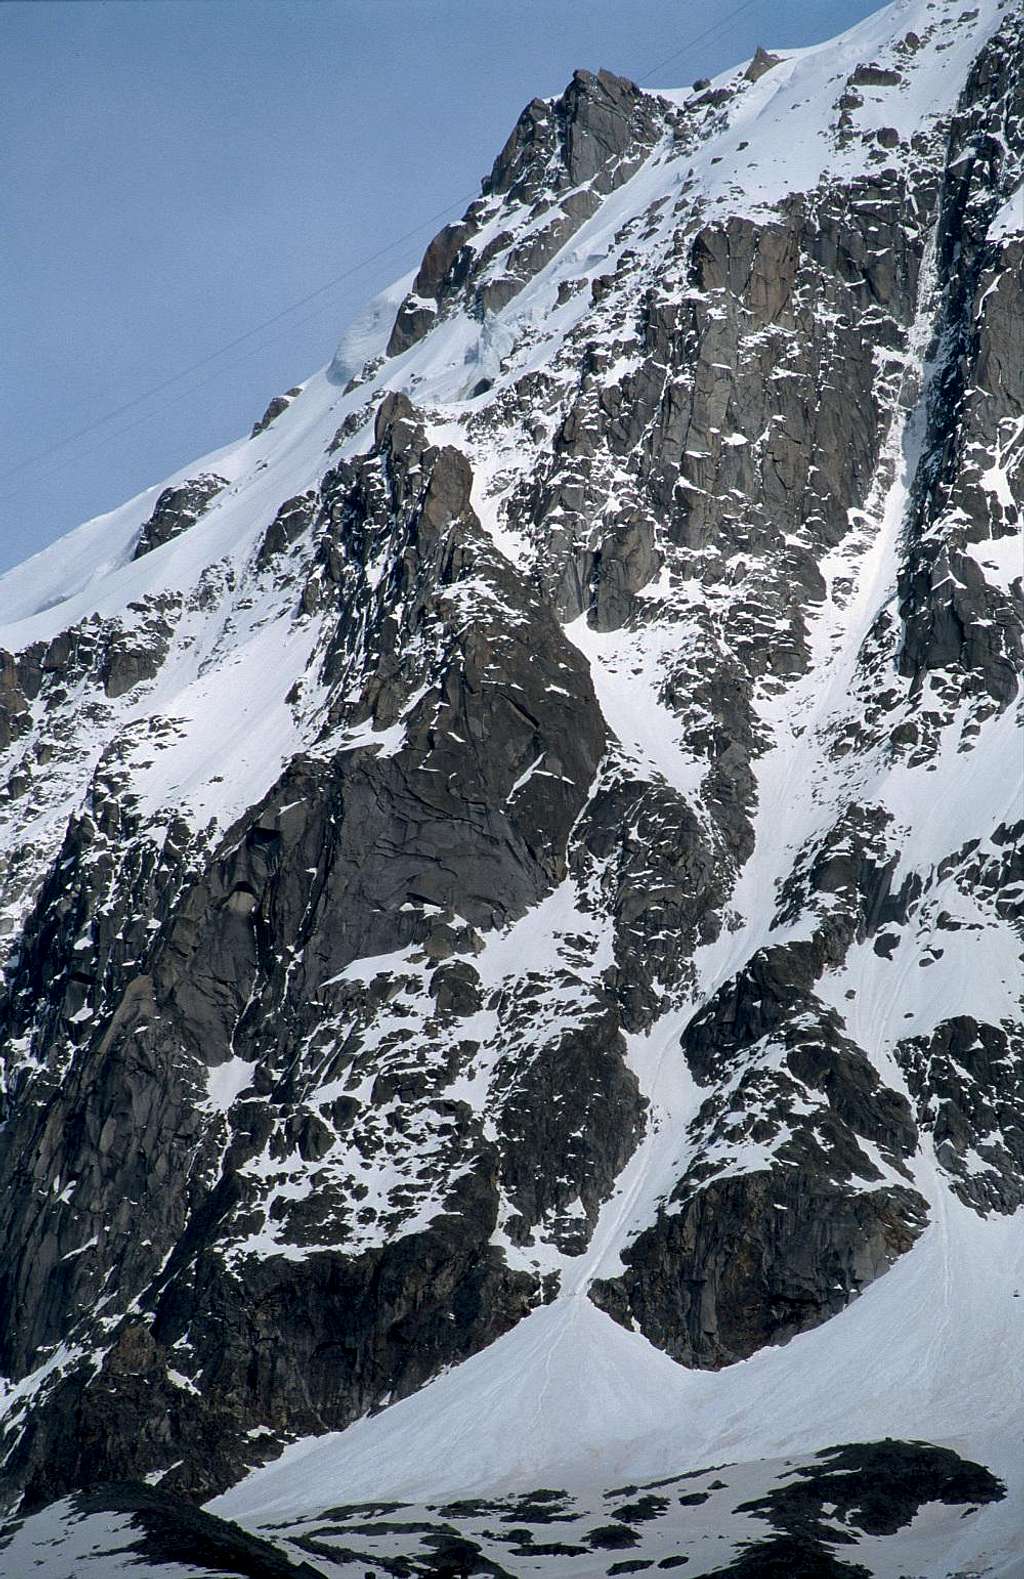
(533, 835)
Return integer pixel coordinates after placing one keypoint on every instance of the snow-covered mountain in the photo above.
(512, 880)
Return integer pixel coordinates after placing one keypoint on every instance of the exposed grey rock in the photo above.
(302, 1102)
(565, 154)
(386, 840)
(756, 1259)
(789, 1517)
(737, 1261)
(871, 76)
(967, 1081)
(762, 62)
(876, 1486)
(456, 988)
(176, 510)
(292, 519)
(20, 680)
(592, 1135)
(954, 619)
(278, 404)
(156, 1533)
(135, 654)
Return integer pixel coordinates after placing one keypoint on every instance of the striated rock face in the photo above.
(351, 853)
(956, 618)
(550, 839)
(745, 1261)
(176, 510)
(790, 1239)
(559, 161)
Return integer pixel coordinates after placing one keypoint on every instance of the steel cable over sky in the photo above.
(230, 345)
(284, 312)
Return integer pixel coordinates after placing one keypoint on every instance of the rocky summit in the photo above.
(512, 885)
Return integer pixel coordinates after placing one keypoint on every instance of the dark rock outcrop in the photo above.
(967, 1081)
(756, 1258)
(276, 407)
(963, 633)
(799, 1517)
(572, 720)
(241, 965)
(176, 510)
(562, 156)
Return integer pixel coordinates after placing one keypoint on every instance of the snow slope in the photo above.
(570, 1398)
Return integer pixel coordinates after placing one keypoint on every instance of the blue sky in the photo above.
(176, 172)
